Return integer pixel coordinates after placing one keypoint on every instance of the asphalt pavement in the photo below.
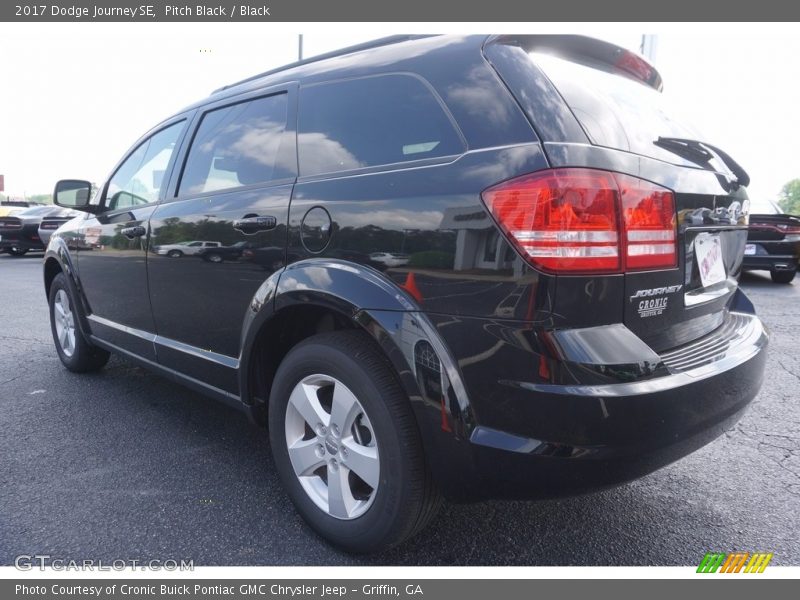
(124, 464)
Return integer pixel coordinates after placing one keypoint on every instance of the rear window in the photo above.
(617, 112)
(372, 121)
(762, 206)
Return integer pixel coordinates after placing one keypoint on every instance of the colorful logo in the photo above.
(734, 562)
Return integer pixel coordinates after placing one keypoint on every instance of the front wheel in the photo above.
(17, 251)
(174, 253)
(783, 276)
(346, 444)
(74, 351)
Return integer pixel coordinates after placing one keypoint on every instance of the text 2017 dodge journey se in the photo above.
(566, 316)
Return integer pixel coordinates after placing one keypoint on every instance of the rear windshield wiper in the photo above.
(701, 154)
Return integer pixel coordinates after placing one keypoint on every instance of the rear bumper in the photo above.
(769, 262)
(772, 255)
(540, 439)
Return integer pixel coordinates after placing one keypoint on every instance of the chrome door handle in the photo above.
(133, 232)
(249, 225)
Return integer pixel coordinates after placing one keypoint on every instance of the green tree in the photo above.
(789, 199)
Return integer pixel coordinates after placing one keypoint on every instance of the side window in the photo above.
(237, 145)
(372, 121)
(139, 179)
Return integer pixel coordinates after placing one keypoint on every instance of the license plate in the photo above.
(708, 250)
(749, 249)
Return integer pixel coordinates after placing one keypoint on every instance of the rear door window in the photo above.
(380, 120)
(236, 146)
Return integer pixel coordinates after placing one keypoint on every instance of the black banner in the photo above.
(405, 589)
(406, 11)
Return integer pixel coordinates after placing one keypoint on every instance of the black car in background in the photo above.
(53, 221)
(566, 315)
(773, 242)
(19, 233)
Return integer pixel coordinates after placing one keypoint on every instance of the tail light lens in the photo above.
(587, 221)
(648, 218)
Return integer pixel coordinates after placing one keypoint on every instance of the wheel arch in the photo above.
(318, 295)
(57, 259)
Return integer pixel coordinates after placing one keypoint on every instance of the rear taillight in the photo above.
(587, 221)
(648, 218)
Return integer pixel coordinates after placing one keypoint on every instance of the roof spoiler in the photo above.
(590, 52)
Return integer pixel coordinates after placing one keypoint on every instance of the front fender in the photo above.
(58, 251)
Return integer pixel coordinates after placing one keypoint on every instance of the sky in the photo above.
(74, 97)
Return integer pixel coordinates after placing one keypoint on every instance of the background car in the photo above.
(773, 242)
(10, 207)
(390, 259)
(184, 248)
(19, 234)
(220, 253)
(52, 222)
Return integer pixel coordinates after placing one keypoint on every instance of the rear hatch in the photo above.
(627, 127)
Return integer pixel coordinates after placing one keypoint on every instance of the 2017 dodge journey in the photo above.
(566, 315)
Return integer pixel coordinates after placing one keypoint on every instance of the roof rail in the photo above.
(386, 41)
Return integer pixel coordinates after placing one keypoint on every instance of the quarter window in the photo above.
(236, 146)
(139, 179)
(372, 121)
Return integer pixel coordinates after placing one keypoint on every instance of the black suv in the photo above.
(566, 315)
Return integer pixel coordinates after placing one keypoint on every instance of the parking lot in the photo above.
(124, 464)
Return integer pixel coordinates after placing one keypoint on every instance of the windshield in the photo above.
(617, 112)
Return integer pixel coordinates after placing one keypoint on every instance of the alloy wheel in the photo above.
(65, 323)
(332, 446)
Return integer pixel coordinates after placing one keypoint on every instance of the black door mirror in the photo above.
(73, 193)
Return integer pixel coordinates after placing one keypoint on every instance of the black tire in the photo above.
(214, 257)
(84, 357)
(405, 498)
(17, 251)
(783, 276)
(175, 254)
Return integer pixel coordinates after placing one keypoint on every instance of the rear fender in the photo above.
(405, 334)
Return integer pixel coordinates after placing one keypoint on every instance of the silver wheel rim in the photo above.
(332, 447)
(65, 323)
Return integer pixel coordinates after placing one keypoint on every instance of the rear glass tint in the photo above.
(380, 120)
(617, 112)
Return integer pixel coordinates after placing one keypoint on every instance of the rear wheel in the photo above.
(783, 276)
(346, 445)
(17, 251)
(74, 351)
